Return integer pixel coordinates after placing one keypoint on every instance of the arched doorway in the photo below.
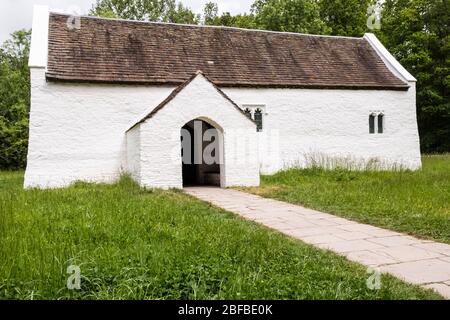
(201, 153)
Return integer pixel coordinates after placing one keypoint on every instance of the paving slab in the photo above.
(370, 230)
(308, 232)
(355, 235)
(370, 258)
(441, 248)
(413, 260)
(408, 253)
(324, 222)
(446, 259)
(421, 272)
(443, 289)
(343, 247)
(395, 241)
(321, 239)
(341, 221)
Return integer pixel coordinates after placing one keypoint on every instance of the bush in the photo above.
(13, 143)
(14, 100)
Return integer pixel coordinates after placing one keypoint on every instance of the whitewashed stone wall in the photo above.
(334, 124)
(161, 163)
(77, 131)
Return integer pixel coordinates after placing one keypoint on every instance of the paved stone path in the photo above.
(416, 261)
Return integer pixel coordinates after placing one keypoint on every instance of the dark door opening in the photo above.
(196, 172)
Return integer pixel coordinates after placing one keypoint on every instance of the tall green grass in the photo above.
(142, 244)
(416, 202)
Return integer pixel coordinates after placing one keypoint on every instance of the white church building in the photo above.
(174, 105)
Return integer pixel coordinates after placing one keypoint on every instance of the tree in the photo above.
(345, 17)
(210, 13)
(211, 17)
(289, 15)
(417, 32)
(183, 14)
(14, 100)
(145, 10)
(239, 21)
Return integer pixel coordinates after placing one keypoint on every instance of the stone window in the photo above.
(372, 123)
(259, 119)
(381, 123)
(376, 122)
(256, 113)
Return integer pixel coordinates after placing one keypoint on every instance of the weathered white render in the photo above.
(97, 132)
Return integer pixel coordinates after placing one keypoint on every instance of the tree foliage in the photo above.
(345, 17)
(417, 32)
(145, 10)
(14, 100)
(210, 13)
(290, 15)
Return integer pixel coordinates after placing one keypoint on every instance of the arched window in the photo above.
(372, 123)
(381, 123)
(259, 119)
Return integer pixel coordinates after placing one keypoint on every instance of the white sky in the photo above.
(18, 14)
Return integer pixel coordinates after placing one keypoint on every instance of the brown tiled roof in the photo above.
(110, 51)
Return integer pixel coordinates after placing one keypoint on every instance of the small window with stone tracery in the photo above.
(259, 119)
(256, 113)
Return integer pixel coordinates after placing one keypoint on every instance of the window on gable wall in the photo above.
(256, 113)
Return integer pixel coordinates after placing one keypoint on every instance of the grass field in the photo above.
(137, 244)
(417, 203)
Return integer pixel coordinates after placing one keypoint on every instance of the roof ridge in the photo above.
(208, 26)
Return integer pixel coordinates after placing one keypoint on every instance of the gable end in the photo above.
(179, 89)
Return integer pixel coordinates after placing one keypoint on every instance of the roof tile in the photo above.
(109, 50)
